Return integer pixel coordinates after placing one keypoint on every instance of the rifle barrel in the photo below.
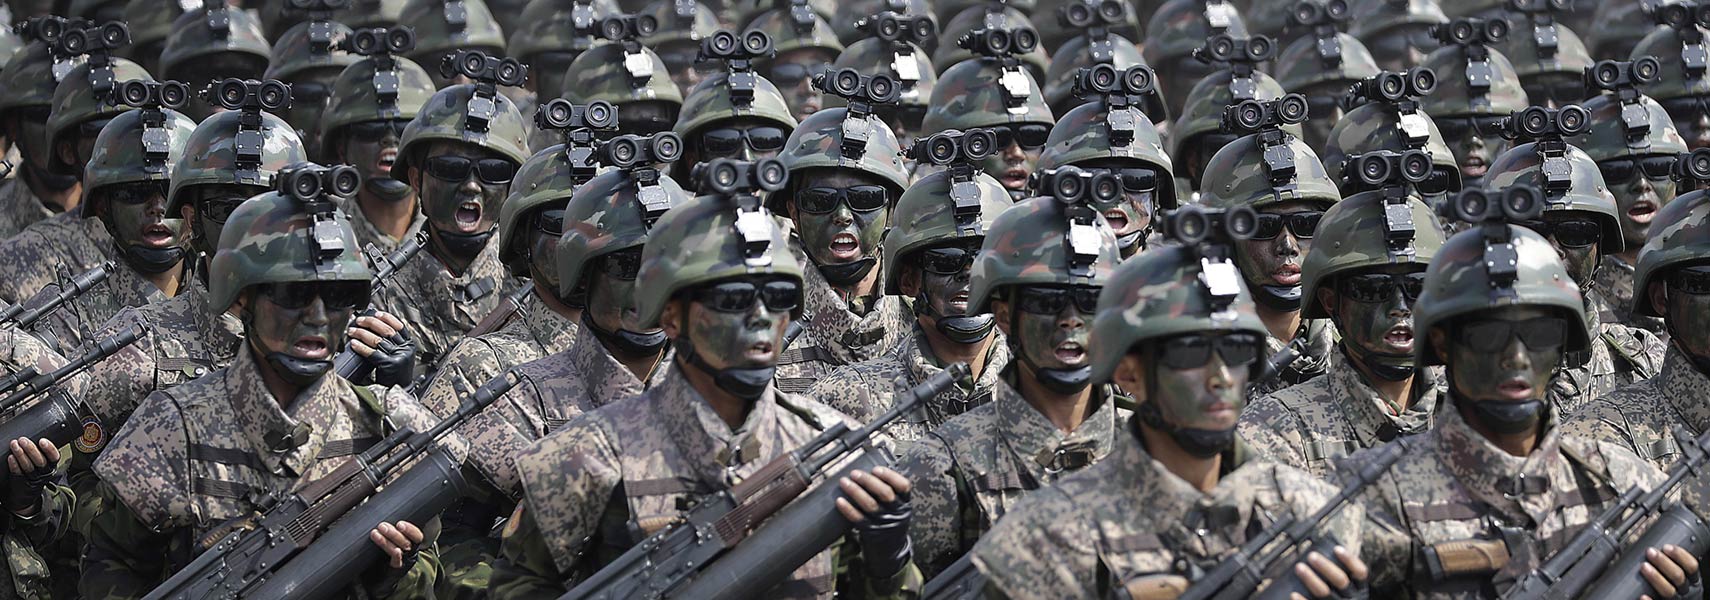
(82, 282)
(100, 351)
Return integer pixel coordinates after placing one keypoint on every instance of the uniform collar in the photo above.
(287, 440)
(1685, 389)
(1046, 451)
(554, 332)
(717, 452)
(849, 336)
(1511, 484)
(606, 379)
(1207, 522)
(916, 355)
(1371, 417)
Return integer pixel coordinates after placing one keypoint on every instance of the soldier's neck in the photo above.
(1515, 444)
(456, 264)
(60, 201)
(947, 352)
(1201, 473)
(284, 392)
(1281, 325)
(1630, 255)
(391, 217)
(1397, 395)
(545, 297)
(1067, 412)
(730, 409)
(867, 286)
(170, 281)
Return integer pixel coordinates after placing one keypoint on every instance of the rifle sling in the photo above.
(221, 488)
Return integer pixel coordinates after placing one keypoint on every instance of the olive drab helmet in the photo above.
(359, 96)
(1075, 55)
(556, 29)
(1100, 18)
(1181, 26)
(78, 100)
(29, 79)
(606, 215)
(1168, 291)
(793, 29)
(1560, 64)
(1043, 241)
(1474, 78)
(1624, 122)
(372, 13)
(449, 115)
(446, 26)
(735, 93)
(847, 20)
(1260, 170)
(298, 51)
(950, 52)
(150, 23)
(1583, 191)
(1301, 67)
(202, 33)
(679, 21)
(1395, 125)
(947, 9)
(985, 92)
(1203, 112)
(819, 143)
(916, 78)
(96, 10)
(128, 151)
(728, 233)
(1619, 27)
(606, 73)
(1091, 132)
(1665, 43)
(275, 238)
(1358, 233)
(1373, 19)
(740, 12)
(927, 214)
(213, 156)
(1679, 235)
(10, 45)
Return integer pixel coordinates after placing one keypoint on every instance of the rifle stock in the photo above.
(703, 556)
(348, 364)
(502, 313)
(21, 316)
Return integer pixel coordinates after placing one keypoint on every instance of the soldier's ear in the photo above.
(1130, 375)
(1000, 313)
(908, 279)
(1327, 299)
(671, 318)
(1657, 293)
(1439, 343)
(67, 152)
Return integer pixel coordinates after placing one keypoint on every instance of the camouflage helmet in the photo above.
(710, 102)
(1568, 62)
(1074, 55)
(211, 155)
(1237, 176)
(1458, 284)
(950, 8)
(971, 94)
(372, 13)
(1082, 136)
(1453, 98)
(1159, 294)
(75, 102)
(435, 37)
(949, 53)
(150, 23)
(119, 156)
(1376, 126)
(1607, 138)
(845, 21)
(1522, 165)
(1179, 27)
(698, 23)
(1664, 44)
(269, 239)
(1374, 18)
(549, 26)
(193, 39)
(1053, 33)
(1353, 236)
(1203, 112)
(1620, 26)
(605, 215)
(601, 74)
(1299, 68)
(354, 99)
(1029, 244)
(1678, 237)
(294, 55)
(872, 56)
(93, 9)
(818, 144)
(925, 215)
(696, 243)
(788, 35)
(444, 117)
(28, 79)
(746, 11)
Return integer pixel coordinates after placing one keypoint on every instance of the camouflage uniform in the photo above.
(1643, 416)
(1308, 426)
(1128, 517)
(26, 571)
(972, 470)
(867, 389)
(355, 100)
(66, 243)
(19, 207)
(29, 84)
(1614, 285)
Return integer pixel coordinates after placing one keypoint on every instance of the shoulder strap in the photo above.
(805, 413)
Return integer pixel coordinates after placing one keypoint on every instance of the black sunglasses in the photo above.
(1373, 288)
(218, 209)
(90, 129)
(1561, 92)
(370, 131)
(1690, 280)
(1569, 233)
(948, 260)
(1301, 224)
(821, 200)
(137, 193)
(456, 169)
(335, 295)
(727, 141)
(1030, 136)
(1457, 128)
(1193, 350)
(788, 74)
(1624, 170)
(623, 265)
(1050, 301)
(550, 221)
(1538, 333)
(739, 296)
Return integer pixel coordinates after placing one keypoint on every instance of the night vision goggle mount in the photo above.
(1243, 55)
(381, 45)
(1685, 18)
(1692, 170)
(1210, 234)
(1124, 94)
(958, 151)
(1493, 212)
(321, 26)
(1547, 129)
(627, 31)
(738, 54)
(1401, 90)
(863, 94)
(1394, 175)
(96, 43)
(488, 72)
(1325, 19)
(1474, 36)
(1542, 15)
(903, 34)
(742, 182)
(1079, 191)
(638, 156)
(1096, 18)
(1623, 79)
(1264, 120)
(149, 98)
(1005, 45)
(249, 97)
(319, 189)
(580, 127)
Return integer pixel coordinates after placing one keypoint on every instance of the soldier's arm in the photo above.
(415, 582)
(936, 499)
(1385, 543)
(51, 521)
(1035, 551)
(142, 530)
(1269, 429)
(570, 480)
(122, 556)
(1601, 420)
(845, 391)
(524, 568)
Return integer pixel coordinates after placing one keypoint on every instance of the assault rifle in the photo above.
(324, 525)
(21, 316)
(60, 417)
(507, 308)
(703, 555)
(1588, 556)
(349, 364)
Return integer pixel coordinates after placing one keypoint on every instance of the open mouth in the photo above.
(1515, 389)
(844, 246)
(1474, 166)
(1642, 211)
(1117, 219)
(760, 352)
(1014, 178)
(959, 302)
(1220, 408)
(383, 163)
(468, 216)
(1288, 274)
(157, 235)
(1071, 353)
(313, 347)
(1400, 337)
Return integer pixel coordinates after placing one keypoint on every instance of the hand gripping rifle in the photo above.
(20, 315)
(322, 525)
(741, 542)
(1239, 574)
(1588, 556)
(349, 364)
(60, 417)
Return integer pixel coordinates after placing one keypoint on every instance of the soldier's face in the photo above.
(311, 91)
(1048, 325)
(1207, 396)
(727, 334)
(1373, 308)
(1014, 163)
(1505, 354)
(1401, 48)
(1139, 190)
(943, 273)
(1576, 236)
(213, 68)
(793, 73)
(1554, 89)
(1638, 195)
(461, 186)
(679, 58)
(1683, 299)
(1475, 141)
(306, 321)
(840, 215)
(1276, 261)
(1197, 156)
(213, 204)
(28, 127)
(612, 300)
(135, 213)
(1691, 116)
(371, 147)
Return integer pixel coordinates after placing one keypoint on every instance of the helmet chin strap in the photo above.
(48, 179)
(848, 273)
(1137, 239)
(1388, 367)
(1277, 297)
(150, 261)
(387, 189)
(745, 383)
(624, 342)
(1501, 416)
(961, 330)
(300, 372)
(1200, 443)
(464, 244)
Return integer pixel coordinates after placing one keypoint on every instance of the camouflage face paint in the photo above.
(1474, 153)
(543, 259)
(1637, 201)
(1011, 166)
(612, 302)
(1209, 397)
(1516, 373)
(214, 202)
(463, 207)
(1379, 330)
(792, 71)
(1051, 341)
(32, 141)
(310, 333)
(1275, 261)
(142, 223)
(373, 158)
(1690, 308)
(841, 236)
(736, 340)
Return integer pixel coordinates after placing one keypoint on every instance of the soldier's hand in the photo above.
(877, 503)
(399, 541)
(33, 466)
(1669, 570)
(1325, 578)
(368, 332)
(384, 341)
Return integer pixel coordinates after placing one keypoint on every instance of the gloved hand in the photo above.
(33, 466)
(384, 342)
(881, 521)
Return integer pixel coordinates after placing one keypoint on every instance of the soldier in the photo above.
(1196, 135)
(36, 192)
(930, 251)
(272, 419)
(682, 26)
(1172, 34)
(950, 51)
(1373, 124)
(1553, 73)
(847, 19)
(647, 101)
(1075, 55)
(1620, 26)
(804, 44)
(874, 55)
(1042, 263)
(151, 24)
(1398, 32)
(723, 120)
(460, 162)
(1112, 132)
(1682, 88)
(1290, 197)
(362, 127)
(307, 60)
(1643, 416)
(205, 48)
(994, 91)
(1322, 66)
(1580, 221)
(40, 554)
(1495, 475)
(1635, 159)
(438, 37)
(549, 40)
(1056, 32)
(1178, 492)
(1364, 276)
(1468, 106)
(724, 297)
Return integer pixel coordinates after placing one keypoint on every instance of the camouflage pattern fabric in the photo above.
(1614, 282)
(40, 556)
(440, 307)
(63, 243)
(1620, 355)
(970, 472)
(367, 234)
(654, 454)
(192, 457)
(1320, 335)
(124, 288)
(1453, 485)
(1642, 416)
(1308, 426)
(19, 207)
(868, 389)
(837, 332)
(1131, 518)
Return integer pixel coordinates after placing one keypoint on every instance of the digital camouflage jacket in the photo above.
(1311, 425)
(834, 335)
(1642, 416)
(440, 307)
(866, 390)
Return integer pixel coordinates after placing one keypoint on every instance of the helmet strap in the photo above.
(387, 189)
(1284, 298)
(1199, 443)
(48, 179)
(1503, 417)
(1134, 242)
(847, 274)
(624, 342)
(150, 261)
(464, 244)
(745, 383)
(1384, 366)
(959, 329)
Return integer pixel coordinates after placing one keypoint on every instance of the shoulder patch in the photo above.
(94, 436)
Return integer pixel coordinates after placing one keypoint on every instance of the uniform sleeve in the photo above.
(1601, 419)
(568, 480)
(494, 441)
(122, 557)
(404, 411)
(846, 391)
(1269, 429)
(412, 583)
(1385, 544)
(936, 501)
(524, 568)
(1032, 554)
